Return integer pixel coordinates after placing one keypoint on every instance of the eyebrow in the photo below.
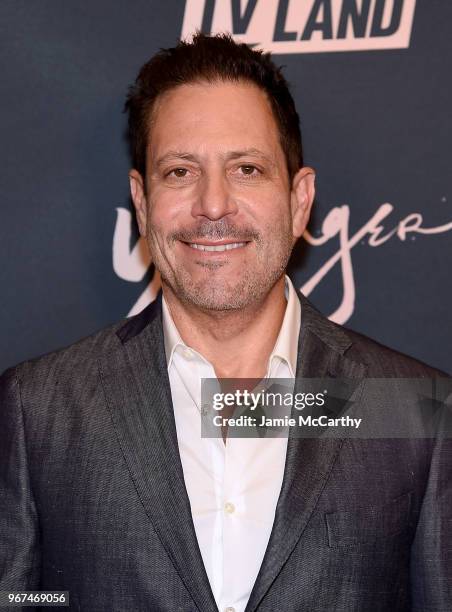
(250, 152)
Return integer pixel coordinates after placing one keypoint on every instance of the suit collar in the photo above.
(136, 324)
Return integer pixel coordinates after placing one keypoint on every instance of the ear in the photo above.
(137, 192)
(302, 197)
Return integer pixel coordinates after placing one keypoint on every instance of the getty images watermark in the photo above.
(269, 401)
(327, 407)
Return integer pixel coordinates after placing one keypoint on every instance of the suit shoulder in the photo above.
(74, 356)
(385, 362)
(380, 360)
(79, 356)
(74, 370)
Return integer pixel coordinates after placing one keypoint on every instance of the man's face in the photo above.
(218, 211)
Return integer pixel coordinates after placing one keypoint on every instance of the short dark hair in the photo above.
(210, 59)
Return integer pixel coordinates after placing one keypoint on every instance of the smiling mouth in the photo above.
(216, 247)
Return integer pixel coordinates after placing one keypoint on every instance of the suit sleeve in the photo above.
(19, 527)
(431, 558)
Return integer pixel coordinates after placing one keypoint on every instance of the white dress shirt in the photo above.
(234, 488)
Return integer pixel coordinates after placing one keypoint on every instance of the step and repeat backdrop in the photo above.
(372, 84)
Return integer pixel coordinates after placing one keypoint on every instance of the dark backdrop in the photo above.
(376, 126)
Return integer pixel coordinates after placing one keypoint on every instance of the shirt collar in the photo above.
(286, 346)
(170, 333)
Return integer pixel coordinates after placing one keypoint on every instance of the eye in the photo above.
(248, 169)
(178, 172)
(247, 172)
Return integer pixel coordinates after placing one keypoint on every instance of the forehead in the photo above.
(214, 116)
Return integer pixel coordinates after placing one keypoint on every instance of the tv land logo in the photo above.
(305, 26)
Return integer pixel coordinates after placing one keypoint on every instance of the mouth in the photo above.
(216, 247)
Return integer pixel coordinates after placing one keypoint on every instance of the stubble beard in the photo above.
(218, 292)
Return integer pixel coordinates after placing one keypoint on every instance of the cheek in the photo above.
(272, 212)
(158, 228)
(164, 215)
(169, 207)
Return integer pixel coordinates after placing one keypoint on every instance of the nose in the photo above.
(214, 199)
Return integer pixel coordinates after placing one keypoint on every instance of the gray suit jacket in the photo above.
(93, 498)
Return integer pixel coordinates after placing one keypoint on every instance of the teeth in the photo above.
(220, 247)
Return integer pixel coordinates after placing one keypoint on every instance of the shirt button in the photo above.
(229, 508)
(229, 609)
(188, 353)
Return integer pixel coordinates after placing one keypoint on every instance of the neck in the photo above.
(237, 343)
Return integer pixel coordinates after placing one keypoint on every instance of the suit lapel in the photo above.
(309, 461)
(137, 390)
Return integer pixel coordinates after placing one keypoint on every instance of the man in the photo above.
(108, 489)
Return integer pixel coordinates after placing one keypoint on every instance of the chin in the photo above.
(215, 302)
(225, 292)
(222, 296)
